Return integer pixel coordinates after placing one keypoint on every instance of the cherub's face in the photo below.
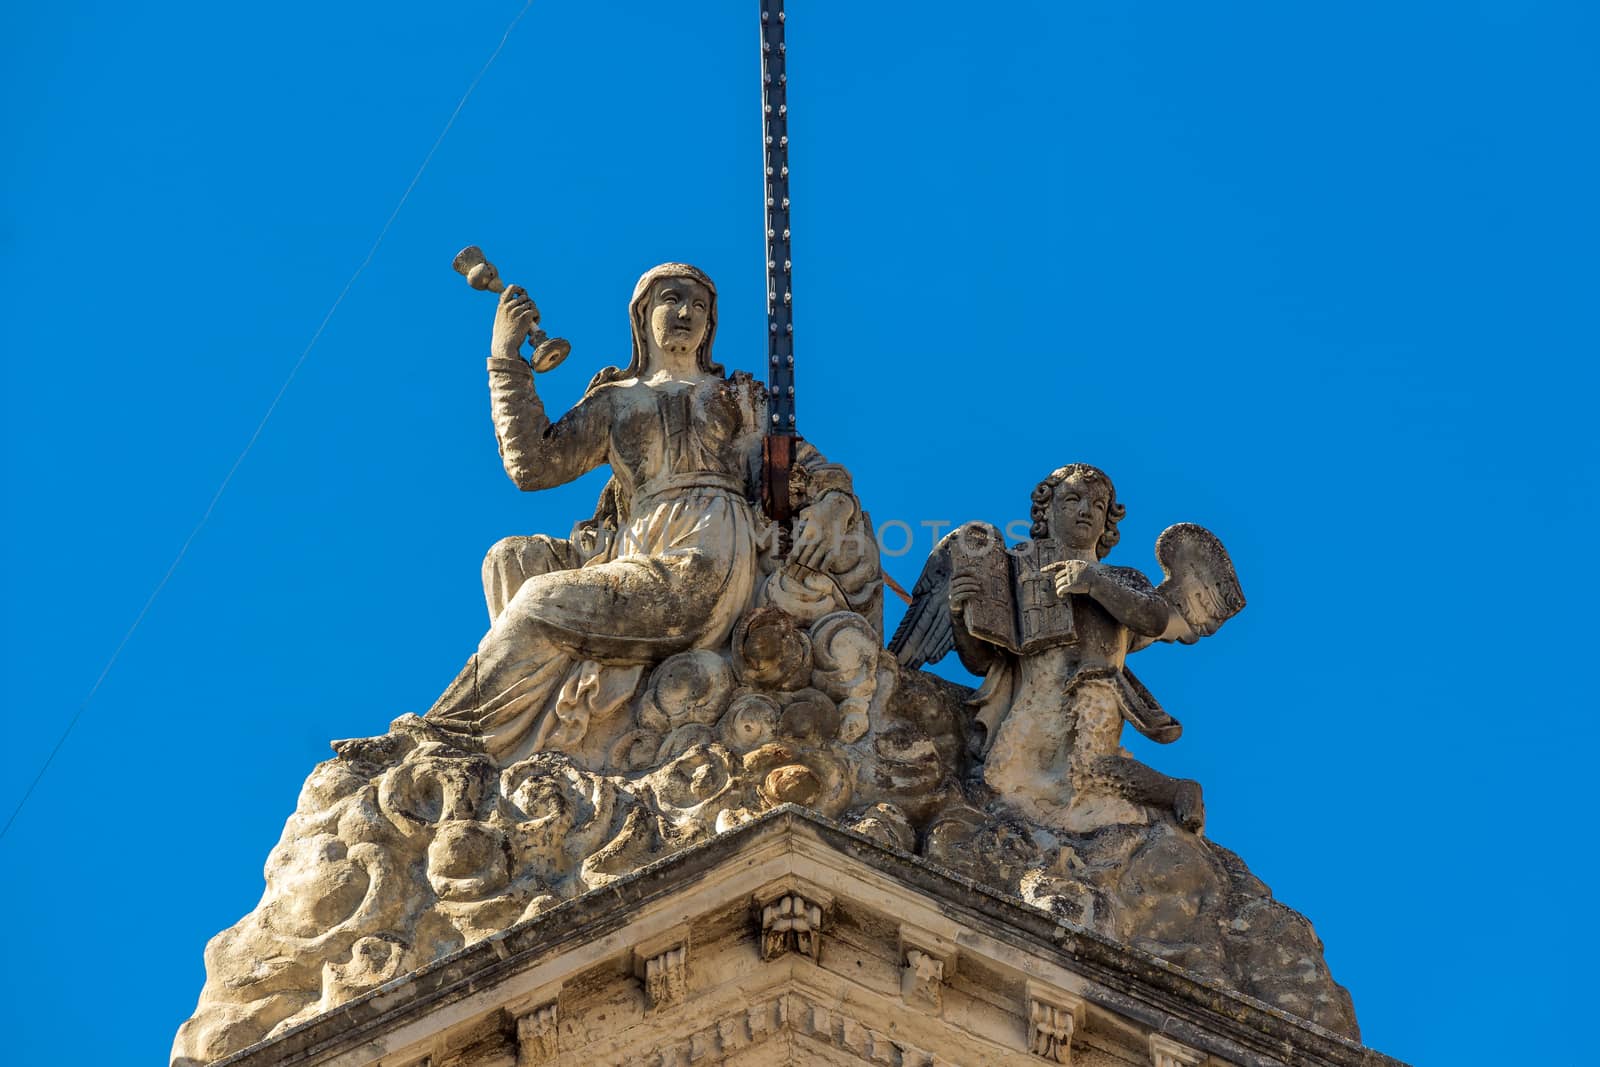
(1078, 512)
(679, 312)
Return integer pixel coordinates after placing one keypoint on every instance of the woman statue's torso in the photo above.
(666, 433)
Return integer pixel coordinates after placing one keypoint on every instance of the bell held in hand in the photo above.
(548, 352)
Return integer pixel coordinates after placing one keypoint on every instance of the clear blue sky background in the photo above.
(1319, 276)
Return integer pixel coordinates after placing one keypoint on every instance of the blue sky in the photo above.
(1319, 277)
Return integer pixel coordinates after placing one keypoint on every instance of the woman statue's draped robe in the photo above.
(576, 623)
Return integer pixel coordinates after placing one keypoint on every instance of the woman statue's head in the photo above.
(674, 311)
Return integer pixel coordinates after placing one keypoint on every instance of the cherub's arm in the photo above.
(1123, 591)
(936, 621)
(977, 655)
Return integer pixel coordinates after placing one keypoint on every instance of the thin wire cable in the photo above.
(262, 425)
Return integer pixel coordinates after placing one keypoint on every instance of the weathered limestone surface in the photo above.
(406, 848)
(674, 670)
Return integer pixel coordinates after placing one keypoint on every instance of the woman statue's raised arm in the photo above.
(537, 453)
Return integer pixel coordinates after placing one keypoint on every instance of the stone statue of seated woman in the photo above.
(677, 550)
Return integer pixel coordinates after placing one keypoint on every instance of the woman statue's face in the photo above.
(679, 312)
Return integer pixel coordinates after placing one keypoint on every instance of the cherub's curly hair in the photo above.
(1045, 491)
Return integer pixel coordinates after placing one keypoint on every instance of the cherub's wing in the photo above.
(927, 633)
(1200, 584)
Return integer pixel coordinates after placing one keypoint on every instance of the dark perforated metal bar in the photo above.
(780, 307)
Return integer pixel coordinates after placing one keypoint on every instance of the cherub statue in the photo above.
(1049, 627)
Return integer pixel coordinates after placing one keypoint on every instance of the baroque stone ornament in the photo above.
(680, 664)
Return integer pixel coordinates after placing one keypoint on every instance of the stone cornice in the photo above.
(793, 847)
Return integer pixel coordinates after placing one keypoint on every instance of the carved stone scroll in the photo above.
(791, 923)
(1054, 1016)
(922, 980)
(1165, 1052)
(537, 1035)
(662, 964)
(666, 977)
(927, 961)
